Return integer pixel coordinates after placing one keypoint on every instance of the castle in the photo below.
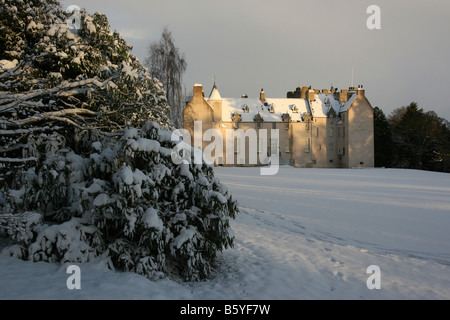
(316, 128)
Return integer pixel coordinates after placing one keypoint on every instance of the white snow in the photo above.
(152, 220)
(125, 174)
(301, 234)
(143, 144)
(215, 95)
(255, 106)
(7, 64)
(185, 235)
(323, 102)
(101, 200)
(128, 70)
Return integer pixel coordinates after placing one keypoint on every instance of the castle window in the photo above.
(274, 125)
(331, 147)
(246, 109)
(288, 146)
(307, 118)
(331, 115)
(317, 131)
(330, 132)
(236, 145)
(286, 118)
(273, 147)
(308, 145)
(260, 144)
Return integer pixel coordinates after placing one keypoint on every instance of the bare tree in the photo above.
(166, 63)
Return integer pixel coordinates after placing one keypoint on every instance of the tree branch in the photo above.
(65, 86)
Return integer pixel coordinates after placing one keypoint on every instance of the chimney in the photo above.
(262, 96)
(303, 92)
(351, 91)
(361, 91)
(344, 96)
(311, 94)
(198, 90)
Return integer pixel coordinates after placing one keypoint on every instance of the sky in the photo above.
(249, 45)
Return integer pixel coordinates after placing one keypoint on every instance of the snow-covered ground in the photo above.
(301, 234)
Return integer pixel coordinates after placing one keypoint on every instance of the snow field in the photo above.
(301, 234)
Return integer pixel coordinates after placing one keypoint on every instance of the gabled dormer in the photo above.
(236, 119)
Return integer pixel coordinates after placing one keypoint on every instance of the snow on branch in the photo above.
(18, 159)
(21, 227)
(19, 98)
(57, 115)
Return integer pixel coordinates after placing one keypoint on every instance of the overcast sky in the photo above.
(278, 45)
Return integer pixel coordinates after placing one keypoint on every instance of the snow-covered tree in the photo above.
(86, 164)
(53, 78)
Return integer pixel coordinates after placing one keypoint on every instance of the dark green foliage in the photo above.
(382, 139)
(421, 139)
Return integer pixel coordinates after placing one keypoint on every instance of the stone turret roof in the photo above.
(215, 95)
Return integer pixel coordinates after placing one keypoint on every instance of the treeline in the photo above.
(411, 138)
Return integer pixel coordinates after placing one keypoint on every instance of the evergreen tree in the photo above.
(54, 79)
(382, 139)
(420, 138)
(86, 164)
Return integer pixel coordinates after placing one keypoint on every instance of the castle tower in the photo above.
(215, 101)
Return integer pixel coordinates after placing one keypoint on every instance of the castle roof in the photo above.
(274, 109)
(323, 103)
(215, 95)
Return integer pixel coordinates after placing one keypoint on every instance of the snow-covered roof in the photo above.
(274, 109)
(322, 104)
(271, 111)
(215, 95)
(349, 102)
